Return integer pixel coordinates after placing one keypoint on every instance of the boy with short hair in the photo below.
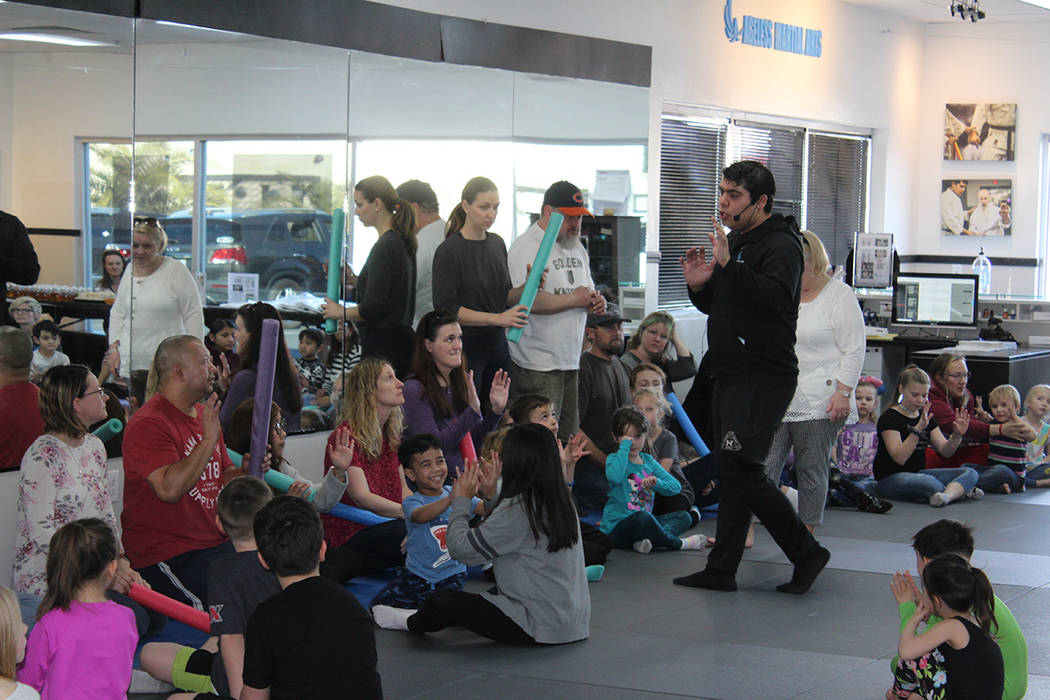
(47, 338)
(534, 408)
(311, 368)
(428, 565)
(313, 639)
(951, 536)
(237, 583)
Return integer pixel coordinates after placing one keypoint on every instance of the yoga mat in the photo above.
(170, 607)
(532, 284)
(335, 264)
(108, 429)
(687, 426)
(283, 482)
(466, 448)
(263, 395)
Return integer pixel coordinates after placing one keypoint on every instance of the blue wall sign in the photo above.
(767, 34)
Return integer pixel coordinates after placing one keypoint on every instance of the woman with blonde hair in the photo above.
(12, 648)
(365, 445)
(652, 343)
(163, 295)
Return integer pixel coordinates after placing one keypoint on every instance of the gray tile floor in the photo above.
(652, 639)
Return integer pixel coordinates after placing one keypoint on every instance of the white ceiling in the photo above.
(936, 11)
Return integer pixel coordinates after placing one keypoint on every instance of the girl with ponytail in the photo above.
(81, 640)
(958, 656)
(472, 282)
(386, 287)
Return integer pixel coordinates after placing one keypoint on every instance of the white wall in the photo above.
(6, 77)
(985, 63)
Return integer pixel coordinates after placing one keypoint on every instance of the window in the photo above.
(692, 155)
(821, 177)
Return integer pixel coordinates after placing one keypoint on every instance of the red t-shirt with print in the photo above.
(157, 435)
(384, 479)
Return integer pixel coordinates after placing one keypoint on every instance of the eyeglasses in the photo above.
(149, 220)
(22, 310)
(281, 427)
(100, 391)
(958, 375)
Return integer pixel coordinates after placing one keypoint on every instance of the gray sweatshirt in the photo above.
(545, 593)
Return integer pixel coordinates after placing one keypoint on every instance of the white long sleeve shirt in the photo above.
(166, 303)
(830, 345)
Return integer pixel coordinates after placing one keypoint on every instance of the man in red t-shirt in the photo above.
(174, 464)
(19, 407)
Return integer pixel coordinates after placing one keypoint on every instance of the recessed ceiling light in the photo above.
(54, 39)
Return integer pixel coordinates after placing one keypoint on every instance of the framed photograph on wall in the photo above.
(979, 130)
(976, 207)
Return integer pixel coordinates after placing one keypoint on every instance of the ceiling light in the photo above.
(54, 39)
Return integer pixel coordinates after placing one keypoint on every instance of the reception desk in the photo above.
(1022, 368)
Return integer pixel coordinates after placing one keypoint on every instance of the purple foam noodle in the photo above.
(264, 372)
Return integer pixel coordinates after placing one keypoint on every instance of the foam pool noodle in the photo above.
(532, 283)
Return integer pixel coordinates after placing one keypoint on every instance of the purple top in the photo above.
(420, 418)
(85, 652)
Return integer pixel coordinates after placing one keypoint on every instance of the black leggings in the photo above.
(379, 547)
(447, 608)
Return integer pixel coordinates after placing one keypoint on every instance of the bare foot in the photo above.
(1006, 488)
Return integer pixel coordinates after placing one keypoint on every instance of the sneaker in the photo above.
(939, 499)
(694, 542)
(642, 546)
(872, 504)
(696, 517)
(975, 495)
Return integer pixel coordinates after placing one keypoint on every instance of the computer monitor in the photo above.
(935, 299)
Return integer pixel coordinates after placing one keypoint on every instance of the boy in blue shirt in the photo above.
(428, 566)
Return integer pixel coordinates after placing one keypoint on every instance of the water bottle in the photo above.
(982, 267)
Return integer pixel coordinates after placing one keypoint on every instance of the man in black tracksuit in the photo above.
(750, 292)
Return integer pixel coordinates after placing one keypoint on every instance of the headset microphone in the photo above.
(736, 217)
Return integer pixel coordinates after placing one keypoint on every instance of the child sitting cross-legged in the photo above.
(1006, 455)
(237, 583)
(428, 565)
(634, 479)
(313, 640)
(851, 481)
(1037, 462)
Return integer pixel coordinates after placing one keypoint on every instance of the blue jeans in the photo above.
(1036, 473)
(661, 530)
(919, 486)
(991, 477)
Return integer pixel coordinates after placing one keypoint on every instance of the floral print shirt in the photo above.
(58, 484)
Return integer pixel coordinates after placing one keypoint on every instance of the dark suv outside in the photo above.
(285, 247)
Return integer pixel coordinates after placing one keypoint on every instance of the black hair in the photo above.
(78, 553)
(416, 445)
(218, 325)
(45, 325)
(312, 334)
(943, 537)
(961, 587)
(238, 502)
(285, 375)
(289, 536)
(755, 178)
(137, 385)
(532, 469)
(426, 371)
(629, 417)
(524, 405)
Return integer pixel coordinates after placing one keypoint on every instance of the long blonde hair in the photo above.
(359, 409)
(10, 617)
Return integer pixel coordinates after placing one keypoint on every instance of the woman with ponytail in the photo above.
(472, 282)
(956, 657)
(386, 287)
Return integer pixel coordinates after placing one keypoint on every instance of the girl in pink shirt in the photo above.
(83, 645)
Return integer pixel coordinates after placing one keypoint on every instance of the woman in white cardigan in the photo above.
(829, 344)
(163, 296)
